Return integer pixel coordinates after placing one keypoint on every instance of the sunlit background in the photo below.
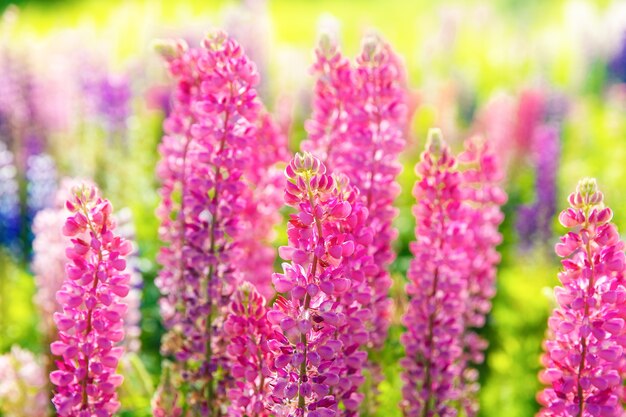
(82, 93)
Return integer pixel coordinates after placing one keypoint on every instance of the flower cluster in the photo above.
(90, 320)
(316, 357)
(359, 117)
(248, 333)
(205, 154)
(584, 363)
(438, 289)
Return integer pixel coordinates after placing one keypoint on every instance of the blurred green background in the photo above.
(461, 56)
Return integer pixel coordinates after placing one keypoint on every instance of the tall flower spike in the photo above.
(583, 357)
(484, 197)
(90, 321)
(437, 288)
(359, 116)
(310, 368)
(205, 153)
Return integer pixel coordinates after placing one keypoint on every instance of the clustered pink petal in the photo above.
(214, 222)
(317, 355)
(357, 128)
(49, 258)
(247, 333)
(438, 288)
(584, 350)
(90, 320)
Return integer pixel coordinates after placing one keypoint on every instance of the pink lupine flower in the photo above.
(49, 257)
(23, 385)
(357, 127)
(206, 152)
(316, 370)
(247, 333)
(437, 288)
(90, 321)
(484, 196)
(587, 334)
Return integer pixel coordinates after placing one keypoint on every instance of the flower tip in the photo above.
(370, 44)
(587, 194)
(167, 48)
(215, 39)
(435, 143)
(587, 186)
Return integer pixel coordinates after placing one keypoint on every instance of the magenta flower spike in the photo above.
(316, 370)
(484, 197)
(248, 333)
(357, 128)
(584, 350)
(205, 156)
(437, 288)
(90, 321)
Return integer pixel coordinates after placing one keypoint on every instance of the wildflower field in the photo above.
(291, 208)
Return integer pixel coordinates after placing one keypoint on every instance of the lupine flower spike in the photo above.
(437, 288)
(90, 321)
(359, 116)
(316, 370)
(583, 358)
(205, 154)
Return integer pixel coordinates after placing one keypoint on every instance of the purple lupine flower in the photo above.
(10, 219)
(310, 358)
(90, 321)
(534, 222)
(438, 288)
(110, 96)
(584, 351)
(359, 117)
(484, 196)
(205, 153)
